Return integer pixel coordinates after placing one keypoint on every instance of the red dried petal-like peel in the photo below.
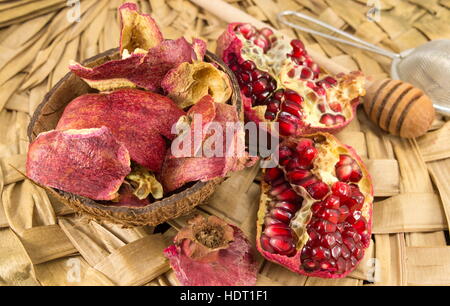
(178, 171)
(229, 264)
(134, 118)
(145, 70)
(90, 162)
(137, 30)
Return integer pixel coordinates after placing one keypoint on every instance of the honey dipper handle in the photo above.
(229, 14)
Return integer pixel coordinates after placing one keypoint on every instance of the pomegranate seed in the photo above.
(320, 253)
(307, 155)
(350, 244)
(361, 226)
(347, 169)
(330, 80)
(304, 143)
(331, 215)
(269, 221)
(318, 190)
(336, 251)
(308, 181)
(270, 116)
(284, 152)
(262, 42)
(247, 90)
(259, 86)
(297, 44)
(248, 66)
(288, 195)
(281, 214)
(327, 119)
(293, 96)
(275, 230)
(359, 251)
(328, 240)
(266, 32)
(273, 106)
(321, 107)
(323, 226)
(316, 207)
(287, 128)
(298, 175)
(288, 206)
(282, 245)
(292, 108)
(345, 252)
(344, 213)
(342, 190)
(332, 202)
(279, 189)
(306, 74)
(265, 244)
(309, 265)
(339, 119)
(272, 174)
(247, 30)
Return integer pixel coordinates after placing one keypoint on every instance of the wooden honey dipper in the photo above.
(395, 106)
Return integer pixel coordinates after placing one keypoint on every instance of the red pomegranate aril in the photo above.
(332, 202)
(297, 44)
(293, 96)
(262, 42)
(339, 119)
(288, 206)
(344, 213)
(316, 207)
(320, 253)
(269, 221)
(318, 190)
(281, 214)
(303, 144)
(327, 119)
(328, 240)
(284, 152)
(282, 245)
(265, 243)
(309, 265)
(361, 226)
(342, 190)
(297, 176)
(266, 32)
(323, 226)
(288, 195)
(331, 215)
(247, 30)
(359, 251)
(345, 252)
(275, 230)
(260, 85)
(336, 107)
(247, 90)
(248, 66)
(348, 170)
(336, 251)
(306, 74)
(341, 264)
(307, 155)
(350, 244)
(279, 189)
(287, 128)
(330, 80)
(273, 106)
(273, 174)
(292, 108)
(270, 116)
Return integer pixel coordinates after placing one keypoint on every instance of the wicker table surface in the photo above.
(44, 243)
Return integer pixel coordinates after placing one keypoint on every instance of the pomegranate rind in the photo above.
(87, 162)
(294, 263)
(142, 69)
(178, 171)
(232, 264)
(134, 118)
(189, 82)
(138, 31)
(199, 46)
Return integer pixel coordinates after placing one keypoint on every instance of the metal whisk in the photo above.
(427, 67)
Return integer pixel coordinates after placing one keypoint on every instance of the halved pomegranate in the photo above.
(315, 211)
(281, 83)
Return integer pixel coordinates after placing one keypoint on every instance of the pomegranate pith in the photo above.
(326, 228)
(280, 83)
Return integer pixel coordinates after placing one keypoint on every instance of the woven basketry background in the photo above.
(44, 243)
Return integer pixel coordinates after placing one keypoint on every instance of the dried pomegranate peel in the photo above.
(315, 211)
(210, 252)
(196, 166)
(134, 118)
(281, 83)
(189, 82)
(88, 162)
(144, 183)
(138, 31)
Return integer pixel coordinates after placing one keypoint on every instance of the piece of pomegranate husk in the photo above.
(175, 204)
(293, 261)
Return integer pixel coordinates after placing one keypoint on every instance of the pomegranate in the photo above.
(315, 211)
(280, 82)
(210, 252)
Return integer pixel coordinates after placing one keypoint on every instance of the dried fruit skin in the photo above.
(210, 252)
(178, 171)
(188, 83)
(142, 69)
(138, 30)
(280, 82)
(328, 225)
(134, 118)
(89, 162)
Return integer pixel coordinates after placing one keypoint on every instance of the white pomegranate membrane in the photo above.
(315, 214)
(286, 86)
